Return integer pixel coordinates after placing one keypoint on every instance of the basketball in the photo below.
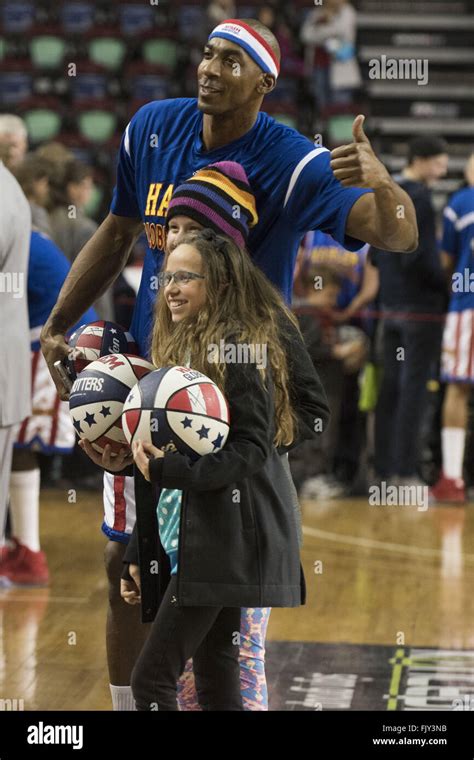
(177, 409)
(97, 397)
(97, 339)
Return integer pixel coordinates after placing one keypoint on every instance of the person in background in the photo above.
(412, 300)
(13, 140)
(70, 227)
(220, 10)
(329, 34)
(15, 371)
(33, 174)
(292, 61)
(457, 358)
(333, 355)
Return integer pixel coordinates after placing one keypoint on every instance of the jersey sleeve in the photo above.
(316, 200)
(124, 200)
(448, 241)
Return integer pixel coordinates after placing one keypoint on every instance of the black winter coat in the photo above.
(237, 544)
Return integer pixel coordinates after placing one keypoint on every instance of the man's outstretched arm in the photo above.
(93, 271)
(385, 218)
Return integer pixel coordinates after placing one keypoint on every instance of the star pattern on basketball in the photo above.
(187, 423)
(217, 442)
(89, 418)
(105, 411)
(204, 432)
(77, 425)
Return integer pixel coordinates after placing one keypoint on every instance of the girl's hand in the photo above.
(130, 591)
(142, 453)
(115, 464)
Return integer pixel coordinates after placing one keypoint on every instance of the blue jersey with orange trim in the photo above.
(458, 241)
(294, 187)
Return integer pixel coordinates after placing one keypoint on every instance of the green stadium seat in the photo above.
(96, 125)
(42, 124)
(108, 52)
(161, 52)
(47, 51)
(285, 118)
(340, 129)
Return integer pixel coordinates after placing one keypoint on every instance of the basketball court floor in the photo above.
(388, 623)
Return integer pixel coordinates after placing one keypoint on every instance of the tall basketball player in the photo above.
(298, 187)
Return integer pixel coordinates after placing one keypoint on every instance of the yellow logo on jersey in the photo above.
(155, 194)
(157, 202)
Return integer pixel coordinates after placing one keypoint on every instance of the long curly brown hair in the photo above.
(249, 310)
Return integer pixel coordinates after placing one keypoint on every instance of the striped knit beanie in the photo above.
(218, 196)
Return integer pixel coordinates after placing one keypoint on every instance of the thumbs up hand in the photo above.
(356, 165)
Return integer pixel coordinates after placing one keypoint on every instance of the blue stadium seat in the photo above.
(135, 19)
(15, 86)
(18, 17)
(89, 86)
(192, 20)
(77, 18)
(150, 87)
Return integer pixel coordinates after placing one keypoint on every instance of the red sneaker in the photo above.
(28, 569)
(451, 490)
(8, 555)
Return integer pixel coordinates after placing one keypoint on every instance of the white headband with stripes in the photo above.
(252, 42)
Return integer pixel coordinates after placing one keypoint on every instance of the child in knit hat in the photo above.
(218, 198)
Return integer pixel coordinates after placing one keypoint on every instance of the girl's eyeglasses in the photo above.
(180, 278)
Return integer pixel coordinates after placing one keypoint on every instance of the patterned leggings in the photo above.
(253, 685)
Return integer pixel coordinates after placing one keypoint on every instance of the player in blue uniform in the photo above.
(457, 357)
(298, 186)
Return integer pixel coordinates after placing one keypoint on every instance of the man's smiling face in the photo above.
(227, 78)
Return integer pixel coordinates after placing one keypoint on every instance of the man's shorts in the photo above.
(48, 429)
(119, 507)
(457, 355)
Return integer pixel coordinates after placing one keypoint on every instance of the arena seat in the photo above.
(162, 52)
(15, 87)
(150, 86)
(42, 124)
(135, 19)
(340, 129)
(47, 51)
(108, 52)
(192, 21)
(77, 18)
(89, 86)
(97, 125)
(18, 17)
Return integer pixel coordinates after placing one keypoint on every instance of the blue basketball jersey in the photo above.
(294, 187)
(323, 250)
(458, 242)
(47, 269)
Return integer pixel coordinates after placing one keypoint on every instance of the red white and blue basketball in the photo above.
(90, 342)
(97, 398)
(177, 408)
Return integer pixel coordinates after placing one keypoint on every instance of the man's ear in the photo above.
(266, 84)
